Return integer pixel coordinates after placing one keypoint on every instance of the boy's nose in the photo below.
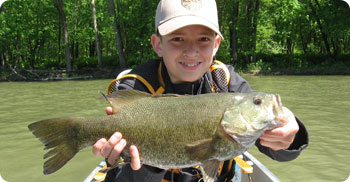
(190, 50)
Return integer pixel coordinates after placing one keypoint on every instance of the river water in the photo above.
(321, 102)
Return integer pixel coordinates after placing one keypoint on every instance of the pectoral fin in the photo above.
(201, 149)
(209, 170)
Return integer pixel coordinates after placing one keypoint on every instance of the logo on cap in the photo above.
(192, 4)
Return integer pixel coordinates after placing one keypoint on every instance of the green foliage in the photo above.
(91, 62)
(305, 64)
(271, 35)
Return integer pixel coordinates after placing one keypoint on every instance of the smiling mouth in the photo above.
(192, 65)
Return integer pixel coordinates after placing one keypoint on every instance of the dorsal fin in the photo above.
(122, 98)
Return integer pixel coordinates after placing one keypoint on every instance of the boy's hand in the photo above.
(283, 136)
(112, 148)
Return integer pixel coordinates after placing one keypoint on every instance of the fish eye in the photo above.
(257, 101)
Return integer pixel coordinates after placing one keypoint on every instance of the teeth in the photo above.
(190, 65)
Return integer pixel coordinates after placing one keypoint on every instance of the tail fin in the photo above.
(60, 136)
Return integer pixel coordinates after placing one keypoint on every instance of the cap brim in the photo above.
(183, 21)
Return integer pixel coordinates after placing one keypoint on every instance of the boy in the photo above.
(187, 39)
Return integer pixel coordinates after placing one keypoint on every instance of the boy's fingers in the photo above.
(274, 145)
(108, 146)
(118, 148)
(135, 158)
(96, 150)
(109, 110)
(283, 136)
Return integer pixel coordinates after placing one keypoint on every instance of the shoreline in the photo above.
(95, 74)
(55, 75)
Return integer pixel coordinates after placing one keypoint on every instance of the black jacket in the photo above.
(149, 71)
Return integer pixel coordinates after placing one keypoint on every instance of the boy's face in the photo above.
(187, 52)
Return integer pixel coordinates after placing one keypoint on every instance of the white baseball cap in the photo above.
(175, 14)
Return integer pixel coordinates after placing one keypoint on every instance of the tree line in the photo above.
(75, 34)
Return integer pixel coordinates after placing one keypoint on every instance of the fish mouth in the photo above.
(226, 134)
(278, 111)
(235, 138)
(281, 120)
(244, 139)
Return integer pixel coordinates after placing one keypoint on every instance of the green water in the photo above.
(321, 102)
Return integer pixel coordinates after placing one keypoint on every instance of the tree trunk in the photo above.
(254, 28)
(59, 6)
(117, 35)
(335, 49)
(2, 58)
(249, 24)
(98, 49)
(289, 43)
(92, 48)
(252, 11)
(233, 31)
(324, 35)
(346, 43)
(18, 48)
(59, 43)
(303, 40)
(146, 13)
(76, 50)
(71, 50)
(34, 50)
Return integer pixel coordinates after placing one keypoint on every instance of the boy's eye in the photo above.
(177, 39)
(204, 39)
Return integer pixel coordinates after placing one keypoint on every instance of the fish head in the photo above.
(251, 116)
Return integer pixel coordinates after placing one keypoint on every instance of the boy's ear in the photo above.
(156, 44)
(217, 43)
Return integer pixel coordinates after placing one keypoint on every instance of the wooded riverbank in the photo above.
(275, 37)
(257, 68)
(55, 75)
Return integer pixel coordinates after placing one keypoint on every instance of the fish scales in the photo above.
(192, 119)
(170, 131)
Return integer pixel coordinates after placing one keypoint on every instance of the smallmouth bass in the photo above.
(170, 131)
